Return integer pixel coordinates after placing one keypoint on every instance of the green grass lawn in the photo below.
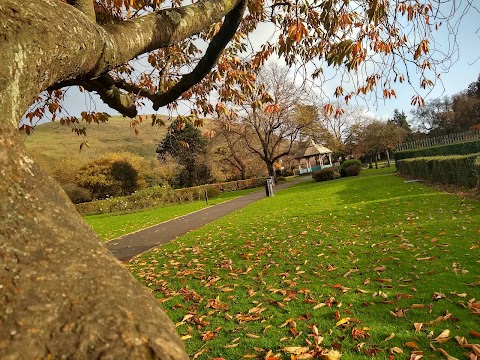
(111, 226)
(364, 267)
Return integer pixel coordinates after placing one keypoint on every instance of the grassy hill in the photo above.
(52, 142)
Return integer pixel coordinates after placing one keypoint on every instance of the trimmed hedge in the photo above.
(158, 195)
(463, 170)
(463, 148)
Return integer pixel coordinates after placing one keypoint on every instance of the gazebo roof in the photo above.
(316, 149)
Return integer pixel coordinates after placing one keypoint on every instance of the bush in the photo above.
(463, 148)
(326, 174)
(113, 174)
(455, 169)
(348, 163)
(77, 194)
(353, 170)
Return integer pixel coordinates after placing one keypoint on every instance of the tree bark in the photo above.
(62, 294)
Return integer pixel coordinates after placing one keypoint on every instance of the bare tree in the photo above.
(272, 127)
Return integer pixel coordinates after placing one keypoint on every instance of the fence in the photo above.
(441, 140)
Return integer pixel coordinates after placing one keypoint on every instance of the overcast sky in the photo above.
(460, 74)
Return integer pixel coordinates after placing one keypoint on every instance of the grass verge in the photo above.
(111, 226)
(365, 267)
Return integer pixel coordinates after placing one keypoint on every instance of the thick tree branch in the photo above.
(215, 48)
(108, 88)
(130, 39)
(85, 6)
(111, 95)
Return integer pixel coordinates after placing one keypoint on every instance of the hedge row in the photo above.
(158, 195)
(463, 148)
(462, 170)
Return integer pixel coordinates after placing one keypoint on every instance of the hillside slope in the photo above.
(51, 142)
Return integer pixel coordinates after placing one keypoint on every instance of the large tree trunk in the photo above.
(62, 294)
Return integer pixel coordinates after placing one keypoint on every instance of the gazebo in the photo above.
(312, 158)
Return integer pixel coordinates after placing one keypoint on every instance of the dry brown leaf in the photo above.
(330, 354)
(411, 345)
(461, 341)
(287, 322)
(252, 336)
(418, 326)
(389, 337)
(417, 306)
(443, 337)
(395, 350)
(416, 355)
(296, 350)
(447, 355)
(200, 353)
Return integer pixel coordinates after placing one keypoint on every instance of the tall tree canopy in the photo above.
(63, 294)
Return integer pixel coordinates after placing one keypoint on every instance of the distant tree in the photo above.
(230, 148)
(400, 119)
(379, 137)
(474, 88)
(275, 116)
(333, 129)
(186, 144)
(433, 117)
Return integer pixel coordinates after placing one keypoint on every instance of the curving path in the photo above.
(130, 245)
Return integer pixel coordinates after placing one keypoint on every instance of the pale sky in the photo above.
(461, 73)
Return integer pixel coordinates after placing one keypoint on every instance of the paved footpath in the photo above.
(130, 245)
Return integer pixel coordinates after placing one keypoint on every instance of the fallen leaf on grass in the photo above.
(411, 345)
(446, 354)
(342, 321)
(330, 355)
(438, 296)
(296, 350)
(475, 333)
(395, 350)
(384, 280)
(389, 337)
(208, 335)
(200, 353)
(443, 337)
(418, 326)
(417, 306)
(416, 355)
(252, 336)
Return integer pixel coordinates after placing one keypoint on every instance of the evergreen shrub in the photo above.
(76, 193)
(326, 174)
(348, 163)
